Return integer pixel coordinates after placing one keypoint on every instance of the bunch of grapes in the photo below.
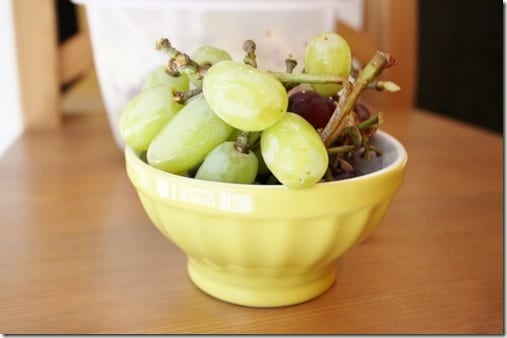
(209, 117)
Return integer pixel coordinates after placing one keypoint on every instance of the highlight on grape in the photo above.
(209, 117)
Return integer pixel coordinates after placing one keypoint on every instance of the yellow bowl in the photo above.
(265, 246)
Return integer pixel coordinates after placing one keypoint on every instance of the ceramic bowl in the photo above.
(267, 245)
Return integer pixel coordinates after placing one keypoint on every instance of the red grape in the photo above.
(362, 113)
(312, 107)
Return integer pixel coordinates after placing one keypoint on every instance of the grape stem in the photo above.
(182, 97)
(180, 62)
(388, 86)
(343, 164)
(340, 149)
(375, 119)
(250, 58)
(297, 78)
(370, 148)
(241, 143)
(335, 125)
(290, 64)
(355, 135)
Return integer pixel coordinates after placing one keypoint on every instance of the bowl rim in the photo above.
(399, 162)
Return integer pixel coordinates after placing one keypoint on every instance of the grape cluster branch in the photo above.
(375, 66)
(179, 62)
(250, 58)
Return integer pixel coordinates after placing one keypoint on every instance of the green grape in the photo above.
(247, 98)
(227, 164)
(207, 55)
(159, 76)
(186, 140)
(146, 114)
(328, 53)
(294, 152)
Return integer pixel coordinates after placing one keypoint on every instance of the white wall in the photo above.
(10, 103)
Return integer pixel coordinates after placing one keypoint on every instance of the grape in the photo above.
(314, 108)
(207, 55)
(294, 152)
(146, 114)
(361, 112)
(247, 98)
(328, 53)
(226, 164)
(186, 140)
(159, 76)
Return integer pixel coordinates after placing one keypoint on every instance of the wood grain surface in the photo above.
(79, 255)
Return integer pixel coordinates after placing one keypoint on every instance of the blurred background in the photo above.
(450, 53)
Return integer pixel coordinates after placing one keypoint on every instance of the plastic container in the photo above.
(123, 35)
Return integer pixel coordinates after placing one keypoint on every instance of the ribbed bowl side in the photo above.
(269, 246)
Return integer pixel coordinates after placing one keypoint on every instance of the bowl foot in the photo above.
(259, 289)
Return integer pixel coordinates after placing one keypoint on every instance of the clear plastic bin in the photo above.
(123, 34)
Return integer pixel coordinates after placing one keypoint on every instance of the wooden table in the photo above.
(79, 255)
